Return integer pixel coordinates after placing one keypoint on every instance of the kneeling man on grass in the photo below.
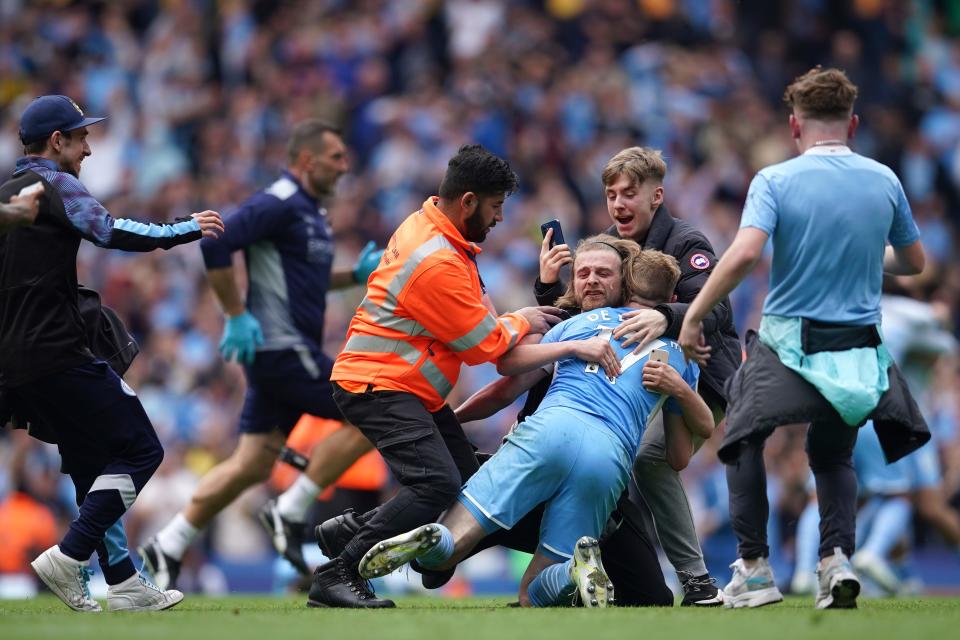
(576, 451)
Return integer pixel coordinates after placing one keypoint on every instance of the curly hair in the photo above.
(822, 94)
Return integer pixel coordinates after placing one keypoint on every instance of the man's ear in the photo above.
(852, 127)
(657, 196)
(794, 127)
(469, 201)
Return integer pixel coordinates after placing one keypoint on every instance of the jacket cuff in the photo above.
(672, 319)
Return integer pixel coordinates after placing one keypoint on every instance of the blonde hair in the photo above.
(822, 94)
(646, 274)
(637, 163)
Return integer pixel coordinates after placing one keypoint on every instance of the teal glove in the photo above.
(241, 336)
(367, 262)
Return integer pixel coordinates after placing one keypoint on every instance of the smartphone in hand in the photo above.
(557, 232)
(659, 355)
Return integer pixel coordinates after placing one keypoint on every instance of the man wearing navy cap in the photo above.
(48, 373)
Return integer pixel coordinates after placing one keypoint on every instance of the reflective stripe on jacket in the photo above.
(423, 315)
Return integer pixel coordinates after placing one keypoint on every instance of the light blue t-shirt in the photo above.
(624, 405)
(830, 214)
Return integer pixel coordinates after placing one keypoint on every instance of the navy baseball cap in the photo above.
(47, 114)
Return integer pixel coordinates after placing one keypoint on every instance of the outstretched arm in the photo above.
(497, 395)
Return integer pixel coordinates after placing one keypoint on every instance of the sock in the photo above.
(552, 584)
(176, 536)
(440, 553)
(295, 501)
(889, 525)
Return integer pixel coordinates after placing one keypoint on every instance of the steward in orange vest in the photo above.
(424, 315)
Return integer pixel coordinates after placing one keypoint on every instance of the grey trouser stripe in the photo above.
(122, 482)
(306, 359)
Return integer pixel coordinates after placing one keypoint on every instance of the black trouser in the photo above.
(428, 454)
(830, 450)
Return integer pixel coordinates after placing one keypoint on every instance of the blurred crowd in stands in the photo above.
(201, 94)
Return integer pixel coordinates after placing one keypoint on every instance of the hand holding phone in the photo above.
(557, 237)
(659, 355)
(553, 254)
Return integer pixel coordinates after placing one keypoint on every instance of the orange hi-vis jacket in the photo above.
(423, 315)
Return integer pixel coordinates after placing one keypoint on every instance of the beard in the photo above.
(476, 230)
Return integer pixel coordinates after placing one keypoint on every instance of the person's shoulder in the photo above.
(278, 196)
(865, 162)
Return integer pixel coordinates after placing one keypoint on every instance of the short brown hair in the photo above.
(822, 94)
(637, 163)
(308, 133)
(655, 275)
(648, 274)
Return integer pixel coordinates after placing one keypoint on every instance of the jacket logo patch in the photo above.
(699, 261)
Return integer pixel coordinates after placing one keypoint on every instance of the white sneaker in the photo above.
(751, 587)
(838, 584)
(593, 585)
(136, 593)
(804, 583)
(69, 579)
(875, 568)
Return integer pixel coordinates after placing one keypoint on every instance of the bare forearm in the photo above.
(495, 396)
(224, 284)
(342, 279)
(696, 414)
(527, 357)
(904, 261)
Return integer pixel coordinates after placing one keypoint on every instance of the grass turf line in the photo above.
(285, 618)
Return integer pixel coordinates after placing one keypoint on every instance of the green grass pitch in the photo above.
(286, 618)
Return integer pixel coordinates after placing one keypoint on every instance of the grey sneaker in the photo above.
(838, 584)
(593, 586)
(67, 578)
(136, 593)
(751, 588)
(391, 554)
(877, 569)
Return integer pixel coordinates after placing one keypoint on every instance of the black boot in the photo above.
(337, 585)
(334, 534)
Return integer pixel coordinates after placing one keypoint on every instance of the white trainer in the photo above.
(67, 578)
(593, 585)
(751, 587)
(838, 584)
(136, 593)
(877, 569)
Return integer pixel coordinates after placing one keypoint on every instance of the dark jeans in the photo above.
(106, 443)
(830, 450)
(428, 454)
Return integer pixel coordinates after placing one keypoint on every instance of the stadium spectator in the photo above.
(819, 356)
(108, 446)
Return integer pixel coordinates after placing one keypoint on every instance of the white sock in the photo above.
(176, 536)
(295, 501)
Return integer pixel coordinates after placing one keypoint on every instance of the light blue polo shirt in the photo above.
(830, 213)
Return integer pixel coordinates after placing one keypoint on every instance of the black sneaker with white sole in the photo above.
(700, 591)
(287, 536)
(162, 568)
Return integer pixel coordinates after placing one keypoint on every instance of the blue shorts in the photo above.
(919, 470)
(282, 386)
(573, 463)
